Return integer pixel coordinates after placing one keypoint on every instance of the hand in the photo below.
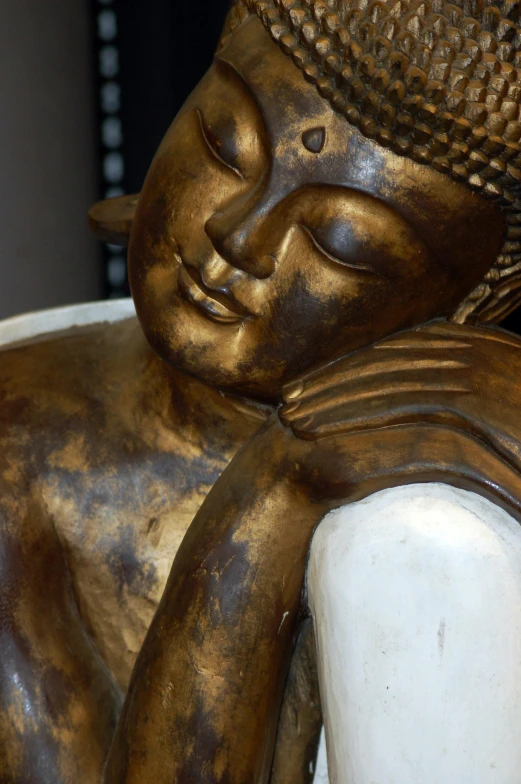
(440, 373)
(428, 390)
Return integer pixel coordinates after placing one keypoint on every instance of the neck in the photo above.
(176, 395)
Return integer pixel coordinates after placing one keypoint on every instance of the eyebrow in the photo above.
(419, 230)
(230, 71)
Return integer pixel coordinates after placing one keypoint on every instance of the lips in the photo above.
(216, 305)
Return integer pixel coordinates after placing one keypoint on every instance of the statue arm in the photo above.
(428, 407)
(205, 695)
(58, 704)
(204, 700)
(466, 378)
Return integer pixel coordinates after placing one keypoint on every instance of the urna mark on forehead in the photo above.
(291, 110)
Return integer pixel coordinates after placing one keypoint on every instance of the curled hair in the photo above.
(435, 81)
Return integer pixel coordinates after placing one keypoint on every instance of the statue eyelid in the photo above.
(213, 149)
(332, 257)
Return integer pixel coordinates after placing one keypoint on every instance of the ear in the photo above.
(111, 220)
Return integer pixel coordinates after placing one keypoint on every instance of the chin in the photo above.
(204, 354)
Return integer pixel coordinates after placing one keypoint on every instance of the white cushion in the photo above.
(44, 322)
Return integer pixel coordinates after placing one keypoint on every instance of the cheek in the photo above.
(184, 187)
(309, 290)
(317, 310)
(308, 309)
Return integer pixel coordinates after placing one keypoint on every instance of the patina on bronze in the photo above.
(303, 255)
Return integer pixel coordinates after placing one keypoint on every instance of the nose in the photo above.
(238, 235)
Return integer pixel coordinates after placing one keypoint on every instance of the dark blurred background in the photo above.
(88, 89)
(163, 49)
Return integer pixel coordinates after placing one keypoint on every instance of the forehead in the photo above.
(288, 107)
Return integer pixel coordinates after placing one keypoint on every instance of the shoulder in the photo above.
(75, 382)
(74, 364)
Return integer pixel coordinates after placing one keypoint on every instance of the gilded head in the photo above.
(324, 186)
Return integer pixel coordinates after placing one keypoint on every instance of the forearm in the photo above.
(205, 696)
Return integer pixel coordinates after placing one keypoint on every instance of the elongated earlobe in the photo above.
(111, 220)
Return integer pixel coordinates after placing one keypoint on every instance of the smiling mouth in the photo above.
(212, 305)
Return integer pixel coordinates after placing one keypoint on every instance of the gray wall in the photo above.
(47, 156)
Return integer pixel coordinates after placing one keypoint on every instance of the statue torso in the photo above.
(118, 452)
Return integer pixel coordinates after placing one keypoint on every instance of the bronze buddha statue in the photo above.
(330, 217)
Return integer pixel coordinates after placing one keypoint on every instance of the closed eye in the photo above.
(331, 257)
(212, 142)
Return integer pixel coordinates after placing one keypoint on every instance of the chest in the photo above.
(120, 526)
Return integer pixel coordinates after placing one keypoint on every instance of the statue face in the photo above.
(271, 236)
